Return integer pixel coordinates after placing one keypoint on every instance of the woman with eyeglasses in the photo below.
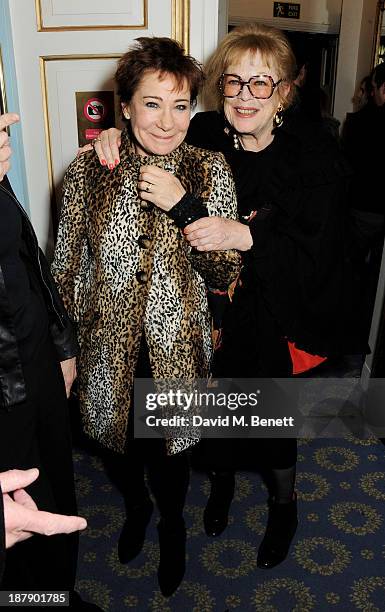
(285, 316)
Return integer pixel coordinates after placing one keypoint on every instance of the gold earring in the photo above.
(278, 117)
(126, 114)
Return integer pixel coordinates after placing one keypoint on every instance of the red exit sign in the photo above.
(286, 10)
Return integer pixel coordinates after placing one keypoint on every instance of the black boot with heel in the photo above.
(216, 513)
(133, 534)
(172, 548)
(281, 527)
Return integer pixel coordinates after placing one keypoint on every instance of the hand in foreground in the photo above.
(5, 149)
(22, 518)
(68, 368)
(218, 234)
(107, 146)
(159, 187)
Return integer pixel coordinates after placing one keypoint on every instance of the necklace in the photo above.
(236, 141)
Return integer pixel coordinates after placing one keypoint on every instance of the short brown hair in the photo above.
(271, 43)
(163, 55)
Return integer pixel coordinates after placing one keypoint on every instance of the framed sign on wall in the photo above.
(90, 14)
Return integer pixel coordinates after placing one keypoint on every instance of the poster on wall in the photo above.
(90, 14)
(79, 100)
(95, 112)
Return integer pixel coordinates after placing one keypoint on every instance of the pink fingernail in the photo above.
(111, 166)
(103, 162)
(116, 162)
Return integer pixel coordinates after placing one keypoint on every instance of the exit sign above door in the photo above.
(287, 9)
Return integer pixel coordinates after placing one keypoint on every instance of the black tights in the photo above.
(280, 483)
(168, 476)
(274, 458)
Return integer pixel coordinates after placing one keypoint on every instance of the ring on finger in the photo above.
(94, 141)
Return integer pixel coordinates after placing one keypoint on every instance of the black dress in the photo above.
(295, 279)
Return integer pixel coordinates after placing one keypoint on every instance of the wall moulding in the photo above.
(61, 15)
(180, 27)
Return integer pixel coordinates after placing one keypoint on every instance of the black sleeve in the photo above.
(187, 210)
(62, 329)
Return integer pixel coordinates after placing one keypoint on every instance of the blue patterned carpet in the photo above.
(337, 561)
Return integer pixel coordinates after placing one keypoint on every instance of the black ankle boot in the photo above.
(133, 534)
(172, 562)
(281, 527)
(216, 514)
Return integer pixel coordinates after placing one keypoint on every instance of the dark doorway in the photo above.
(319, 53)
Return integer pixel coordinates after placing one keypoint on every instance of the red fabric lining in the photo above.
(302, 361)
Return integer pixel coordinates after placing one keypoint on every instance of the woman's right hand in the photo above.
(107, 146)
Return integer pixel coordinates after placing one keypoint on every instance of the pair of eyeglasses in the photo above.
(261, 86)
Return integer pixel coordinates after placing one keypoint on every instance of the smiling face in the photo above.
(159, 113)
(250, 116)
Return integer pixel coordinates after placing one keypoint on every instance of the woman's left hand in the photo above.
(218, 234)
(159, 187)
(68, 368)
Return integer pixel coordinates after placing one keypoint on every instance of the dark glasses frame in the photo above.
(247, 83)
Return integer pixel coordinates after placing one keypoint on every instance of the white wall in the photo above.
(208, 21)
(29, 45)
(315, 15)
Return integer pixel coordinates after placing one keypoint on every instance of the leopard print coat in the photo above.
(123, 268)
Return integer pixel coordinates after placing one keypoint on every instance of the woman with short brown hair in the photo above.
(134, 286)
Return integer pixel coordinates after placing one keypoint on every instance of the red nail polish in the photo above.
(103, 162)
(116, 162)
(111, 166)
